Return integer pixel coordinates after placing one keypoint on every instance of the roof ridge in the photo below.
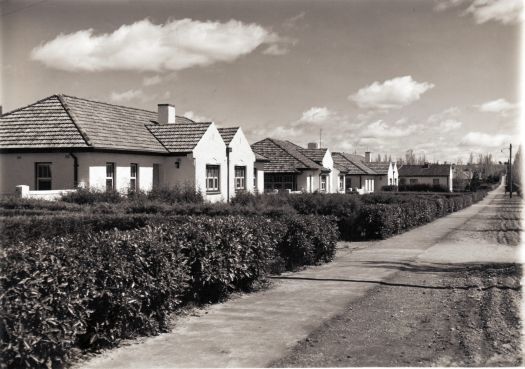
(118, 105)
(28, 105)
(68, 111)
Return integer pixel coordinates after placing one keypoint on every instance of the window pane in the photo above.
(110, 169)
(44, 184)
(133, 169)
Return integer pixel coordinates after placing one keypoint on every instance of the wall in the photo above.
(443, 181)
(19, 169)
(328, 163)
(241, 155)
(210, 150)
(260, 176)
(92, 169)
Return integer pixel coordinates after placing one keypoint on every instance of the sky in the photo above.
(438, 77)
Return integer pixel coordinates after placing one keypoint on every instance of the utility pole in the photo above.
(510, 170)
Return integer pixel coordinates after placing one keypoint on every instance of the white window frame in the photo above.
(239, 181)
(133, 179)
(341, 182)
(213, 180)
(39, 178)
(112, 177)
(255, 174)
(323, 183)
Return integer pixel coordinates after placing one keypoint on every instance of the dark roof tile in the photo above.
(179, 137)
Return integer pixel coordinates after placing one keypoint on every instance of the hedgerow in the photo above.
(92, 290)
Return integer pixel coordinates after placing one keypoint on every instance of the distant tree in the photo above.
(517, 169)
(389, 158)
(471, 158)
(475, 182)
(410, 157)
(378, 159)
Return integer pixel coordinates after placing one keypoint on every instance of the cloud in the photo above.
(276, 49)
(445, 114)
(195, 117)
(150, 81)
(480, 139)
(144, 46)
(292, 21)
(125, 96)
(316, 115)
(499, 106)
(381, 129)
(449, 125)
(504, 11)
(391, 94)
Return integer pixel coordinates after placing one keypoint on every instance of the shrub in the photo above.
(389, 188)
(176, 194)
(422, 187)
(91, 290)
(84, 196)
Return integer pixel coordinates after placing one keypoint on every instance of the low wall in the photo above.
(24, 192)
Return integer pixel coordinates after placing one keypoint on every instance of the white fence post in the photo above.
(22, 191)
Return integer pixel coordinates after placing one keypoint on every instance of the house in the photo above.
(323, 157)
(429, 174)
(288, 168)
(240, 161)
(62, 142)
(387, 173)
(359, 177)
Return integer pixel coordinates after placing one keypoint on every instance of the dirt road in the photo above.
(412, 295)
(461, 314)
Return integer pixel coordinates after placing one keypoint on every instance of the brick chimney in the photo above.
(313, 145)
(367, 156)
(166, 114)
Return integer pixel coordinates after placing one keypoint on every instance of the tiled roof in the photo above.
(429, 170)
(283, 156)
(358, 161)
(62, 121)
(259, 157)
(340, 161)
(379, 168)
(179, 137)
(228, 133)
(44, 124)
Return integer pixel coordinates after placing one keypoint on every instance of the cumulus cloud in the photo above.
(504, 11)
(291, 22)
(144, 46)
(449, 125)
(499, 106)
(381, 129)
(195, 117)
(480, 139)
(276, 49)
(316, 115)
(391, 94)
(150, 81)
(125, 96)
(443, 115)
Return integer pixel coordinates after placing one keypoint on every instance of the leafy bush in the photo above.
(93, 290)
(422, 187)
(389, 188)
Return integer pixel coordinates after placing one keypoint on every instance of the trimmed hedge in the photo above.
(92, 290)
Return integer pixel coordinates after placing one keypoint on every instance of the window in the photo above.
(413, 180)
(110, 176)
(43, 176)
(240, 178)
(156, 176)
(212, 178)
(255, 178)
(275, 181)
(348, 183)
(435, 181)
(133, 177)
(341, 183)
(323, 183)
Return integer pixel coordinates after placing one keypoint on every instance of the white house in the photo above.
(240, 159)
(428, 174)
(387, 173)
(62, 142)
(358, 176)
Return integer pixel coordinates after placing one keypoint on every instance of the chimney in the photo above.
(166, 114)
(367, 157)
(313, 145)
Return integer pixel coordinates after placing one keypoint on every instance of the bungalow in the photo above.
(429, 174)
(387, 173)
(359, 177)
(240, 161)
(62, 142)
(288, 168)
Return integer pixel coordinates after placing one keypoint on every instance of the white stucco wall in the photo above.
(260, 176)
(328, 163)
(241, 155)
(210, 150)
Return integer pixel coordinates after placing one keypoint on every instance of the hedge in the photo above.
(92, 290)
